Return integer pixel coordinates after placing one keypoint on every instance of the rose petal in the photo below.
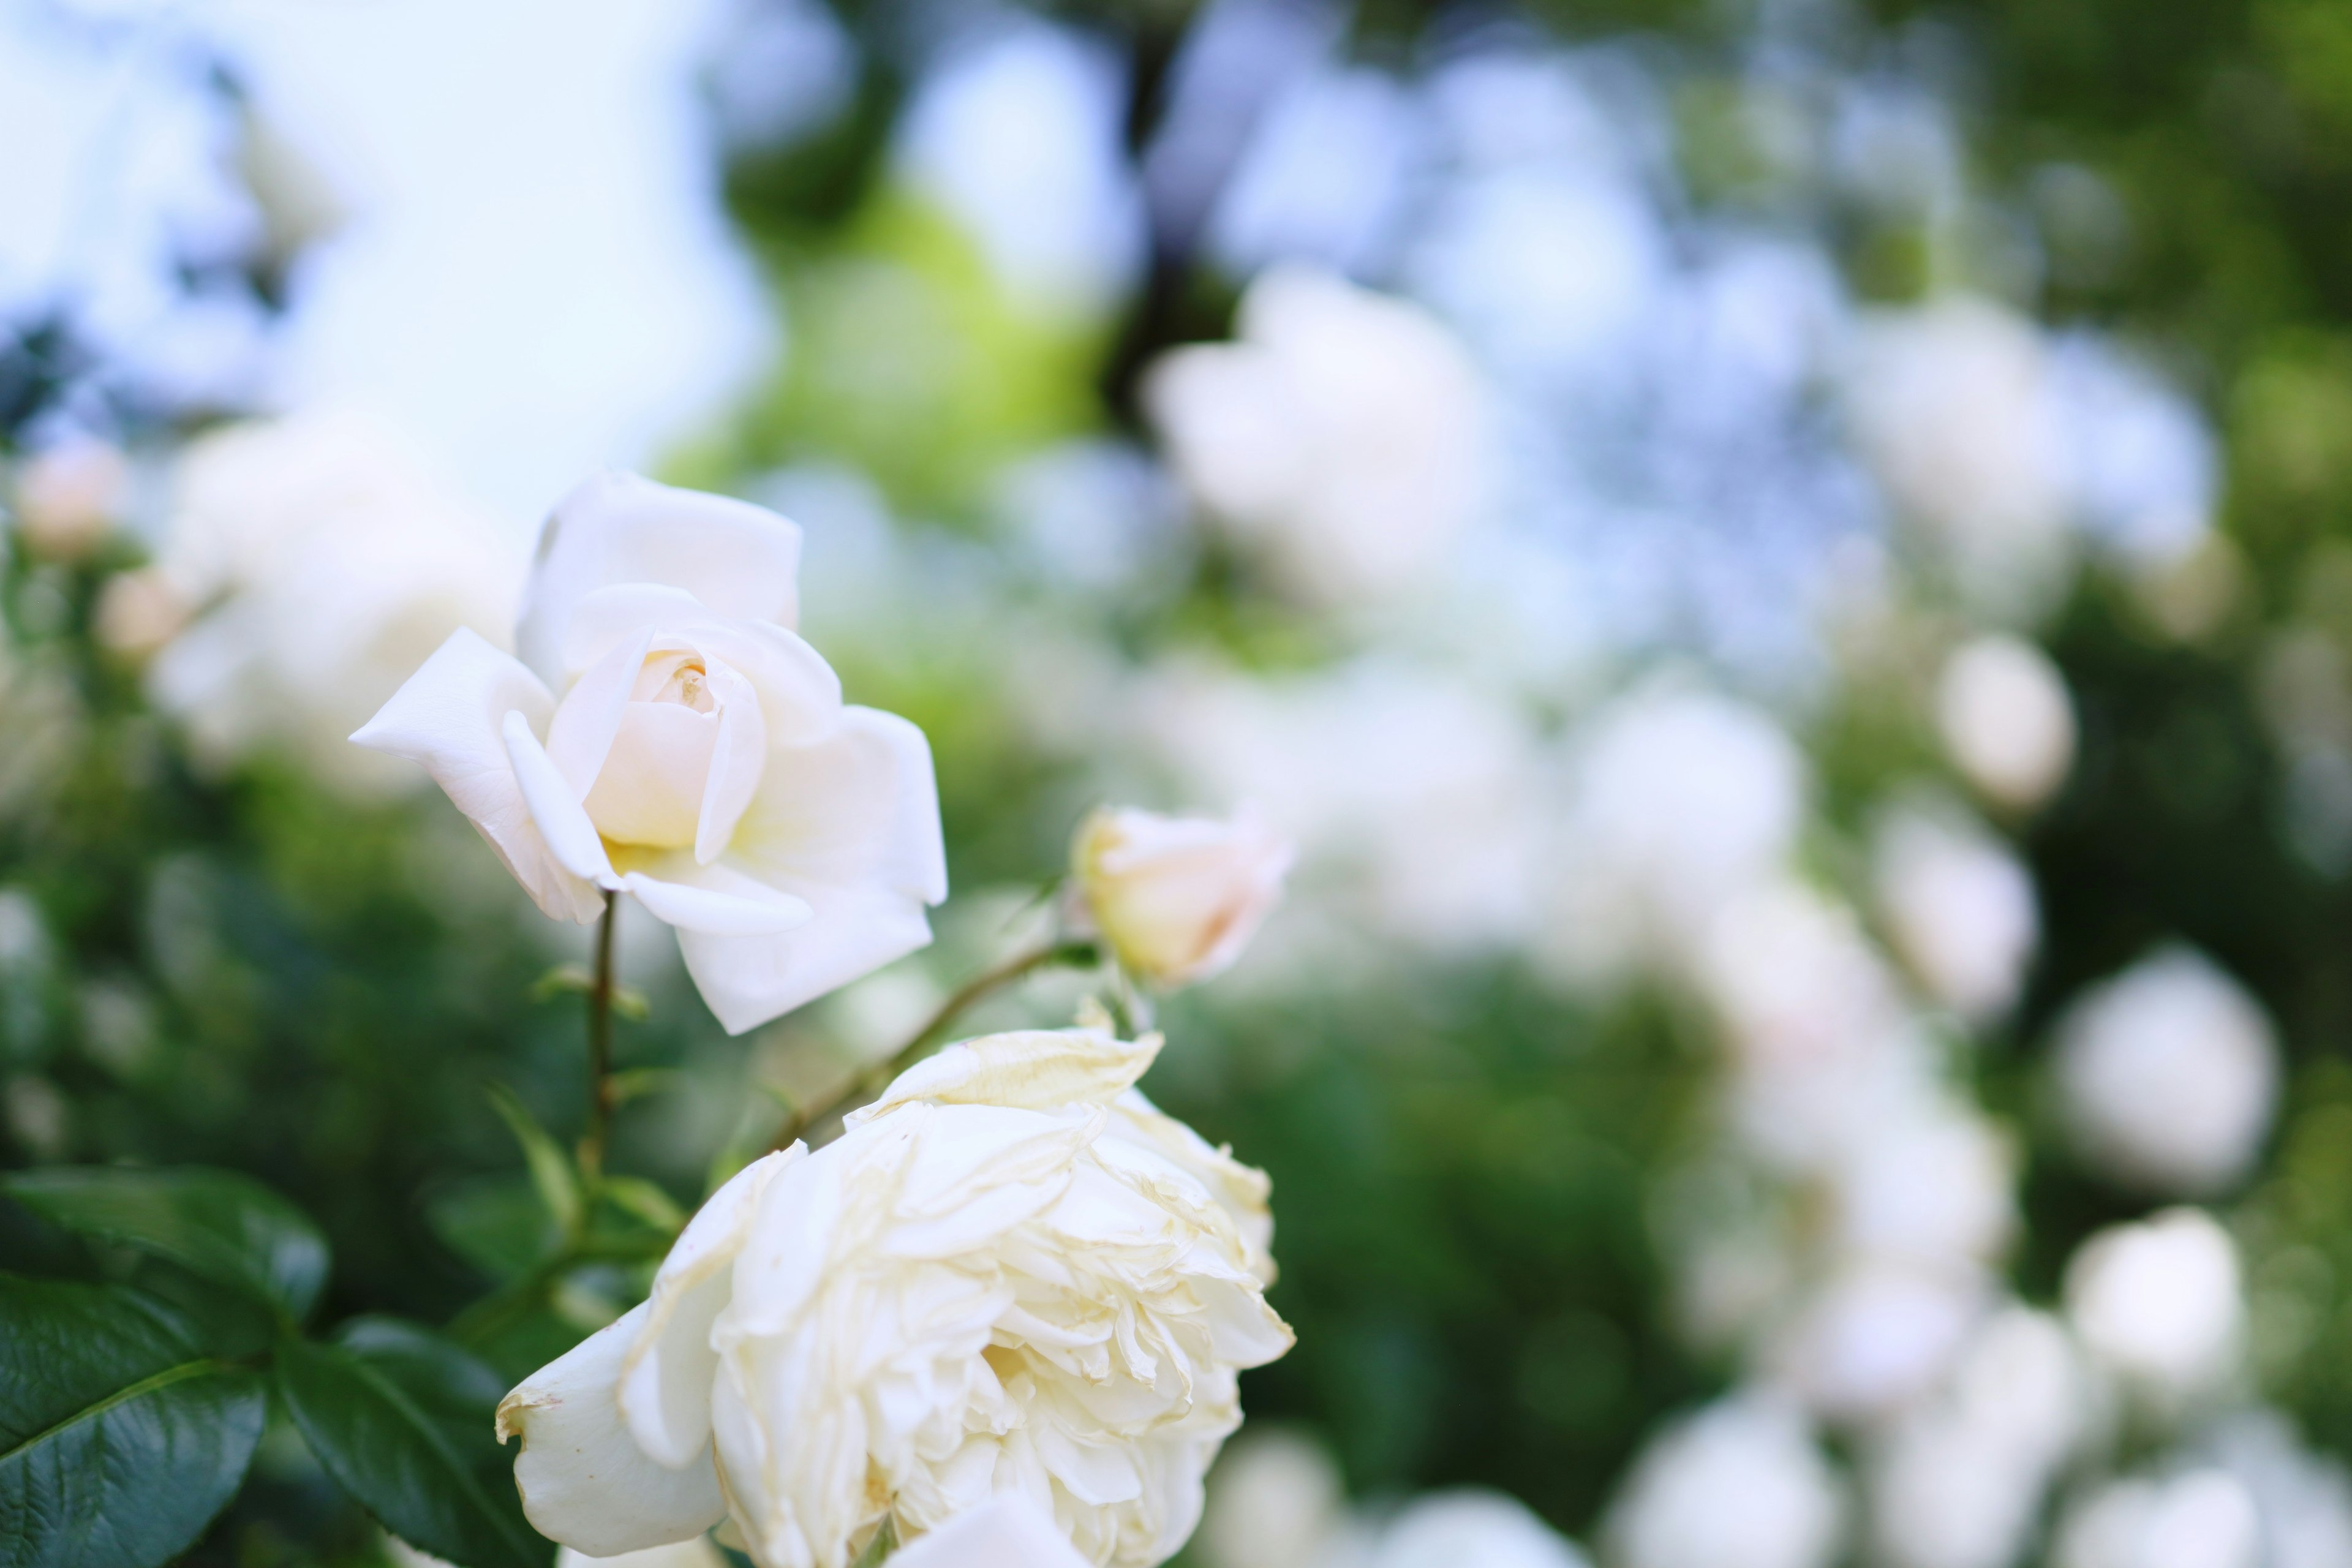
(561, 821)
(741, 561)
(583, 1479)
(1009, 1530)
(739, 759)
(715, 900)
(450, 717)
(669, 1369)
(581, 734)
(1039, 1069)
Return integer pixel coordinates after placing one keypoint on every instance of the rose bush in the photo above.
(666, 735)
(1177, 897)
(1009, 1274)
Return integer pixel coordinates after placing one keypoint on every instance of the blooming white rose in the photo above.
(1009, 1274)
(667, 736)
(1960, 908)
(1177, 897)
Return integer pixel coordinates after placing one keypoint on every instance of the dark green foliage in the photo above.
(121, 1434)
(402, 1420)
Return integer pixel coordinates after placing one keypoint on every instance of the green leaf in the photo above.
(217, 1225)
(552, 1170)
(643, 1201)
(883, 1541)
(402, 1419)
(120, 1437)
(631, 1083)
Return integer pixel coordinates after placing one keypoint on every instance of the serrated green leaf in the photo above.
(402, 1419)
(120, 1437)
(552, 1170)
(219, 1226)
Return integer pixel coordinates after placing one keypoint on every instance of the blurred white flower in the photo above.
(668, 738)
(1415, 798)
(316, 564)
(2007, 720)
(2202, 1519)
(1929, 1183)
(2159, 1302)
(1953, 408)
(1958, 1481)
(1679, 800)
(1009, 1274)
(2169, 1074)
(1177, 897)
(1739, 1484)
(1342, 435)
(1959, 906)
(2305, 1498)
(1275, 1500)
(1876, 1338)
(68, 495)
(138, 611)
(1471, 1528)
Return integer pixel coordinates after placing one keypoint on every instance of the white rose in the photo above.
(1177, 897)
(1009, 1274)
(2161, 1302)
(1469, 1527)
(666, 736)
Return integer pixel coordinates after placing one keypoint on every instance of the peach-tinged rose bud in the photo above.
(68, 495)
(139, 612)
(1177, 897)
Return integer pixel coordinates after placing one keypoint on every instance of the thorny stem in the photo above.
(980, 987)
(600, 1047)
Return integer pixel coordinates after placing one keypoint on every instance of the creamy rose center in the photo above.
(651, 787)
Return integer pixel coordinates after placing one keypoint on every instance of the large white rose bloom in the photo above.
(1009, 1274)
(666, 735)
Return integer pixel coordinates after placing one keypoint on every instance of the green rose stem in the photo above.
(600, 1047)
(987, 983)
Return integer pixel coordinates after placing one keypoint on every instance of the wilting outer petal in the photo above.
(1008, 1530)
(450, 716)
(741, 561)
(584, 1482)
(667, 1370)
(850, 826)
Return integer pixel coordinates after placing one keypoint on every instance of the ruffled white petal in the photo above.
(584, 1482)
(747, 981)
(1008, 1530)
(561, 821)
(450, 717)
(1035, 1067)
(669, 1368)
(740, 560)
